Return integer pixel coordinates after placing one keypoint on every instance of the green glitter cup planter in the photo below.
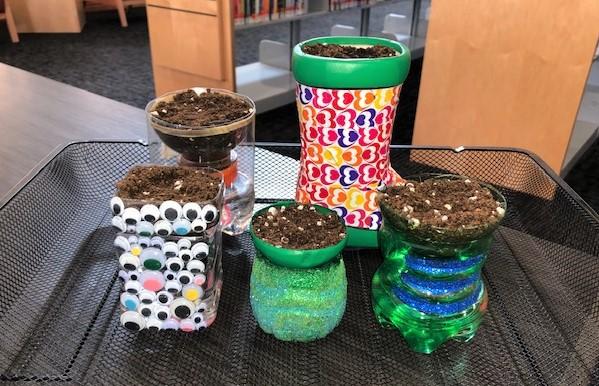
(430, 285)
(298, 295)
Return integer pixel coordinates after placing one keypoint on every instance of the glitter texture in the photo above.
(298, 304)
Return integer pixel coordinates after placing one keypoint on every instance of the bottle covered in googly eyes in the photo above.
(165, 249)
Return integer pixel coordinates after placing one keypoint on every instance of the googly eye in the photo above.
(191, 211)
(170, 210)
(132, 239)
(174, 264)
(182, 308)
(145, 228)
(197, 318)
(117, 206)
(187, 325)
(164, 297)
(119, 223)
(157, 242)
(202, 307)
(136, 249)
(162, 312)
(150, 213)
(163, 228)
(196, 266)
(182, 226)
(133, 321)
(131, 229)
(152, 280)
(147, 297)
(129, 262)
(170, 324)
(184, 244)
(129, 301)
(201, 326)
(192, 292)
(134, 275)
(154, 324)
(144, 242)
(133, 287)
(199, 279)
(131, 216)
(145, 310)
(173, 286)
(152, 258)
(170, 275)
(123, 275)
(185, 277)
(209, 213)
(122, 243)
(199, 225)
(170, 249)
(185, 255)
(200, 251)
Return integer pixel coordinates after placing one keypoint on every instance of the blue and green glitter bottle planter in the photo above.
(431, 288)
(298, 295)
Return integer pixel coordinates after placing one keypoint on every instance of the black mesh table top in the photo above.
(59, 316)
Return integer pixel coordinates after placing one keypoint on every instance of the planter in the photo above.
(212, 128)
(430, 285)
(168, 246)
(347, 109)
(298, 294)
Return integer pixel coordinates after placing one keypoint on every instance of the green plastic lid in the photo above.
(362, 73)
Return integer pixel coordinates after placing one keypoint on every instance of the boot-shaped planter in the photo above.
(346, 107)
(435, 238)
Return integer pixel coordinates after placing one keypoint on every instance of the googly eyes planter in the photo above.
(297, 295)
(346, 109)
(170, 269)
(430, 284)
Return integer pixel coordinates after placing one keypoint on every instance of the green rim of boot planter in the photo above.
(298, 294)
(360, 73)
(435, 238)
(296, 258)
(347, 109)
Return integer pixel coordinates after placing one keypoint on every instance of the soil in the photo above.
(204, 110)
(348, 52)
(450, 204)
(161, 183)
(298, 227)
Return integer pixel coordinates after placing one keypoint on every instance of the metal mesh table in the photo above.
(59, 288)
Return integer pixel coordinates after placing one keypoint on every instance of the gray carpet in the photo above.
(114, 62)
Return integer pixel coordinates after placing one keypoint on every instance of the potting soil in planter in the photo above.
(347, 95)
(169, 247)
(212, 128)
(435, 237)
(298, 303)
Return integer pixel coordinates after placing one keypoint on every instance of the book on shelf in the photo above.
(255, 11)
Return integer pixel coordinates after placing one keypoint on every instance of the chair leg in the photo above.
(10, 23)
(121, 8)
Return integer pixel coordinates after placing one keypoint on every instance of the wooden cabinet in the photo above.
(48, 15)
(191, 44)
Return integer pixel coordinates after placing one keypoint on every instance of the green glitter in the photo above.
(298, 304)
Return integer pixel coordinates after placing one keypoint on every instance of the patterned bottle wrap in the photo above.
(345, 136)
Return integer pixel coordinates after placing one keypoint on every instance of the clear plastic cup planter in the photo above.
(346, 109)
(297, 295)
(171, 263)
(227, 147)
(430, 285)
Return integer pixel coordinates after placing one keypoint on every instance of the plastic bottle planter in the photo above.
(430, 285)
(297, 295)
(169, 254)
(346, 109)
(228, 148)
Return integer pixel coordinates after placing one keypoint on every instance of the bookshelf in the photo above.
(192, 44)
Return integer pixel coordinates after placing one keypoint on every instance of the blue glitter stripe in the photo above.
(439, 287)
(434, 266)
(436, 308)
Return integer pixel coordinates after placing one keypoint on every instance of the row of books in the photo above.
(254, 11)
